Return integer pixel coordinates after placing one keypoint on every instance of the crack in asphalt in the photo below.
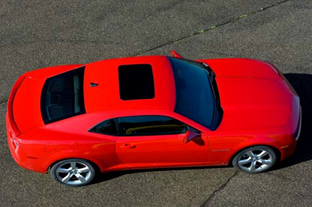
(219, 189)
(232, 20)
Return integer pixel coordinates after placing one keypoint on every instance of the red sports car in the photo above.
(151, 112)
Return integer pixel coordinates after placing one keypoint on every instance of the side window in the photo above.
(150, 125)
(106, 127)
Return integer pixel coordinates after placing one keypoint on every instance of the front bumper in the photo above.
(289, 149)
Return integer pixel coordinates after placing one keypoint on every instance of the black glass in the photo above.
(106, 127)
(150, 125)
(62, 96)
(136, 82)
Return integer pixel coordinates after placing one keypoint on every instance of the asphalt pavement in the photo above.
(36, 34)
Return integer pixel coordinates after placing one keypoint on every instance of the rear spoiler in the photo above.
(10, 104)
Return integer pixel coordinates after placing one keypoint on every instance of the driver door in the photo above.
(158, 141)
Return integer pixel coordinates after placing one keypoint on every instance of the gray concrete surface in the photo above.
(35, 34)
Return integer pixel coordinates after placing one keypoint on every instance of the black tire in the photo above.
(255, 159)
(73, 172)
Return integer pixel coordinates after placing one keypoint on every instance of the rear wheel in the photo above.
(255, 159)
(73, 172)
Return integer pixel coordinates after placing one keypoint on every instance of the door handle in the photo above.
(130, 146)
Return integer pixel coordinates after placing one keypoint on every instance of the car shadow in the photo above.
(101, 177)
(302, 83)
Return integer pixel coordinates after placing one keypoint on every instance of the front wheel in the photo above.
(255, 159)
(73, 172)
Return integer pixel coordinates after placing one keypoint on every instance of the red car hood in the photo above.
(253, 94)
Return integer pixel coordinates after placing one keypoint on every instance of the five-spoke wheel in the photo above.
(73, 172)
(255, 159)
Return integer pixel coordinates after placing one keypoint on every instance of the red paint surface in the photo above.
(260, 108)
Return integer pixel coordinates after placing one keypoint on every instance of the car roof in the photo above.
(106, 94)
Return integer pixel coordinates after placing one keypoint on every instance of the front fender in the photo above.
(225, 148)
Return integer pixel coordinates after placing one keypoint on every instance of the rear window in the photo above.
(136, 82)
(62, 96)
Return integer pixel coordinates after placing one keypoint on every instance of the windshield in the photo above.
(62, 96)
(194, 95)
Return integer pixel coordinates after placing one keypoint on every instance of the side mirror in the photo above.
(175, 54)
(189, 135)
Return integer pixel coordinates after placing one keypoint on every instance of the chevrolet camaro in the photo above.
(76, 121)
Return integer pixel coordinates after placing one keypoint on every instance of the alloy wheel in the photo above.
(73, 172)
(255, 159)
